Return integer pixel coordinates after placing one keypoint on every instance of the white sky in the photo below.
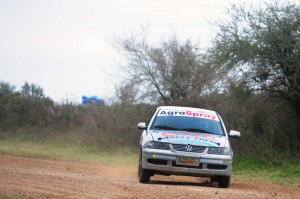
(65, 45)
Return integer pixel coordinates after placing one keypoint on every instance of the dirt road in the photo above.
(40, 178)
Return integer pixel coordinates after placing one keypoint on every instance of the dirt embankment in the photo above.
(40, 178)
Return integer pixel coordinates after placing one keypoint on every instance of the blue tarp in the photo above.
(93, 99)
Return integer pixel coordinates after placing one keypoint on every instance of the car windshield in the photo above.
(184, 123)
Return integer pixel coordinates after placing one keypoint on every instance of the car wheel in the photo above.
(143, 174)
(224, 181)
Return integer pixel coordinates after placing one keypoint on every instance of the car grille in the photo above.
(194, 149)
(217, 166)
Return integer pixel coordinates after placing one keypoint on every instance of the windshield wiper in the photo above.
(165, 127)
(197, 130)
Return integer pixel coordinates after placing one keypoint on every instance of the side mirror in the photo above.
(234, 134)
(142, 125)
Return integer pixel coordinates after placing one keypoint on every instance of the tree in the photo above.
(126, 93)
(167, 72)
(7, 92)
(6, 89)
(32, 91)
(262, 46)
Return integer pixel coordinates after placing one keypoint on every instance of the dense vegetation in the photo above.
(250, 76)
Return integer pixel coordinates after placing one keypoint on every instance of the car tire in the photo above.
(224, 181)
(143, 174)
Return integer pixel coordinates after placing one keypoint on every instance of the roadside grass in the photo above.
(72, 148)
(285, 171)
(68, 148)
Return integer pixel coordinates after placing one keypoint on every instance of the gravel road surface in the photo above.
(43, 178)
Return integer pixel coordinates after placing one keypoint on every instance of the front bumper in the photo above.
(166, 162)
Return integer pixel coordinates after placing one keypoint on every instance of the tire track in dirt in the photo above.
(43, 178)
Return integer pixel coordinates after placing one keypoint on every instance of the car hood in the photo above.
(183, 137)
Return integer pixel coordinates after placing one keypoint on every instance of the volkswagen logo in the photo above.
(188, 147)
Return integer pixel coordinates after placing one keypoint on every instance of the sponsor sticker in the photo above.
(209, 140)
(189, 113)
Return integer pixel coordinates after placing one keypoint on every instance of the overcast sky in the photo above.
(64, 46)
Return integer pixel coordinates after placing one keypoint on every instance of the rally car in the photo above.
(186, 141)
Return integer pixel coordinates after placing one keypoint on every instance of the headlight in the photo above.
(218, 150)
(157, 145)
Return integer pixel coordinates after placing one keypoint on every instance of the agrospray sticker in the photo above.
(190, 113)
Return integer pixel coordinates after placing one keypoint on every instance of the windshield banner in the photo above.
(190, 113)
